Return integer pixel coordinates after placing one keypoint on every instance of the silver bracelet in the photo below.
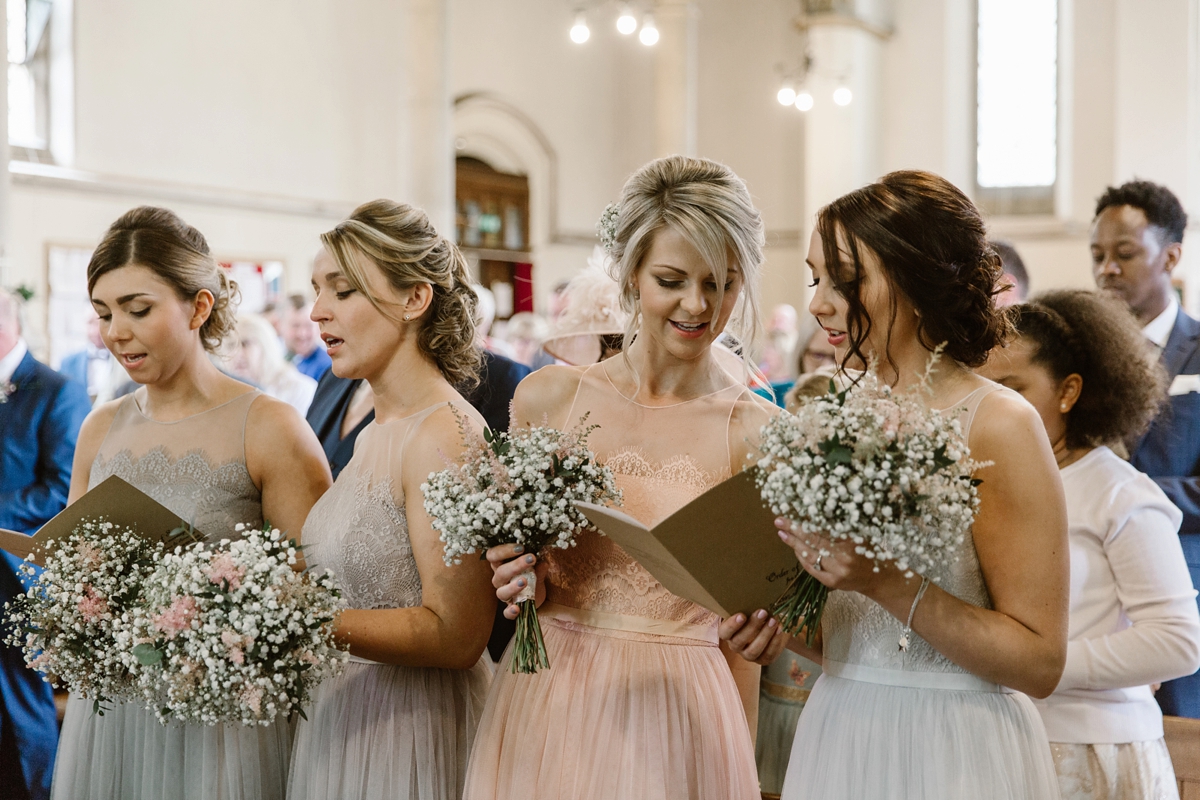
(908, 625)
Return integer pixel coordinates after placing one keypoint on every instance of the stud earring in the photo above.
(406, 317)
(1063, 408)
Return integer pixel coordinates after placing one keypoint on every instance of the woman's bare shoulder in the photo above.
(546, 394)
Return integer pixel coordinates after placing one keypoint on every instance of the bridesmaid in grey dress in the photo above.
(216, 452)
(395, 308)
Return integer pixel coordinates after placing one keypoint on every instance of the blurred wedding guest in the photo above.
(301, 336)
(558, 299)
(340, 410)
(524, 334)
(1136, 243)
(814, 354)
(214, 451)
(40, 415)
(779, 354)
(487, 318)
(257, 357)
(95, 367)
(395, 308)
(1016, 277)
(273, 314)
(590, 326)
(1078, 359)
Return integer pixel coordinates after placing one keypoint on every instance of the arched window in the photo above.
(1016, 163)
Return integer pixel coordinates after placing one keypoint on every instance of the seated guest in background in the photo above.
(273, 313)
(487, 318)
(303, 339)
(1136, 242)
(1079, 359)
(1015, 275)
(257, 357)
(94, 366)
(40, 415)
(525, 333)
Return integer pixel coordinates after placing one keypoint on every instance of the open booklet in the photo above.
(721, 550)
(114, 499)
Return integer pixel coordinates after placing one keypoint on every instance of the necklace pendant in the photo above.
(904, 642)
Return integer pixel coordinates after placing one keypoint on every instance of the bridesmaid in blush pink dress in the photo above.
(640, 701)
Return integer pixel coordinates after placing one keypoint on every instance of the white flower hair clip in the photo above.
(606, 227)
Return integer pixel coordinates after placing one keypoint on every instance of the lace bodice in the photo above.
(681, 451)
(857, 630)
(359, 529)
(196, 466)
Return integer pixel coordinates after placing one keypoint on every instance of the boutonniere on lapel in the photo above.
(7, 389)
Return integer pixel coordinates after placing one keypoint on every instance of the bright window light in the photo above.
(1017, 83)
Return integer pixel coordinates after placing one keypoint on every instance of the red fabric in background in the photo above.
(522, 287)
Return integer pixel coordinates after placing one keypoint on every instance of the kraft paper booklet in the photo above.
(721, 550)
(115, 500)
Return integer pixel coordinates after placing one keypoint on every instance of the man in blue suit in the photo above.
(40, 415)
(1137, 240)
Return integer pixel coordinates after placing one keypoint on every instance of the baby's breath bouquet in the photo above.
(73, 622)
(875, 467)
(231, 633)
(519, 488)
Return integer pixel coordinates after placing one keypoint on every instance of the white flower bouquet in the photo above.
(519, 488)
(73, 622)
(875, 467)
(231, 633)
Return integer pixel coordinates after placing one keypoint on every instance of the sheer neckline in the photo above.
(144, 416)
(621, 394)
(407, 417)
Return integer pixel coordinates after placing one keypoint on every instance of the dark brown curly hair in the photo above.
(933, 248)
(1094, 335)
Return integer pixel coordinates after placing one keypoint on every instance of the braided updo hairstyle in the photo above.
(933, 249)
(1094, 335)
(400, 240)
(157, 239)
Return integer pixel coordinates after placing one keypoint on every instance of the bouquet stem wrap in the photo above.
(529, 648)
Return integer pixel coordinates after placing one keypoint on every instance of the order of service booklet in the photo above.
(721, 550)
(114, 499)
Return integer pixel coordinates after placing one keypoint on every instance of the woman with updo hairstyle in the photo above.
(1079, 358)
(396, 309)
(900, 269)
(640, 699)
(213, 450)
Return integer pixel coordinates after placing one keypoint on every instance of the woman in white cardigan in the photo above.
(1079, 358)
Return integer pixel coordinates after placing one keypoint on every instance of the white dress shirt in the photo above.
(1133, 617)
(1158, 330)
(10, 362)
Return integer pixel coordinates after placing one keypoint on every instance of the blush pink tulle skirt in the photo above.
(620, 714)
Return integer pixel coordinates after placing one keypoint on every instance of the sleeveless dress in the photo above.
(379, 730)
(639, 701)
(196, 467)
(881, 723)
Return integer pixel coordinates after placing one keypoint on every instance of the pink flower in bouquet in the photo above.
(251, 696)
(234, 643)
(38, 663)
(224, 568)
(177, 618)
(93, 605)
(89, 555)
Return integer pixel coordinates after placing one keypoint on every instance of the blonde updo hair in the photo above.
(710, 207)
(157, 239)
(400, 240)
